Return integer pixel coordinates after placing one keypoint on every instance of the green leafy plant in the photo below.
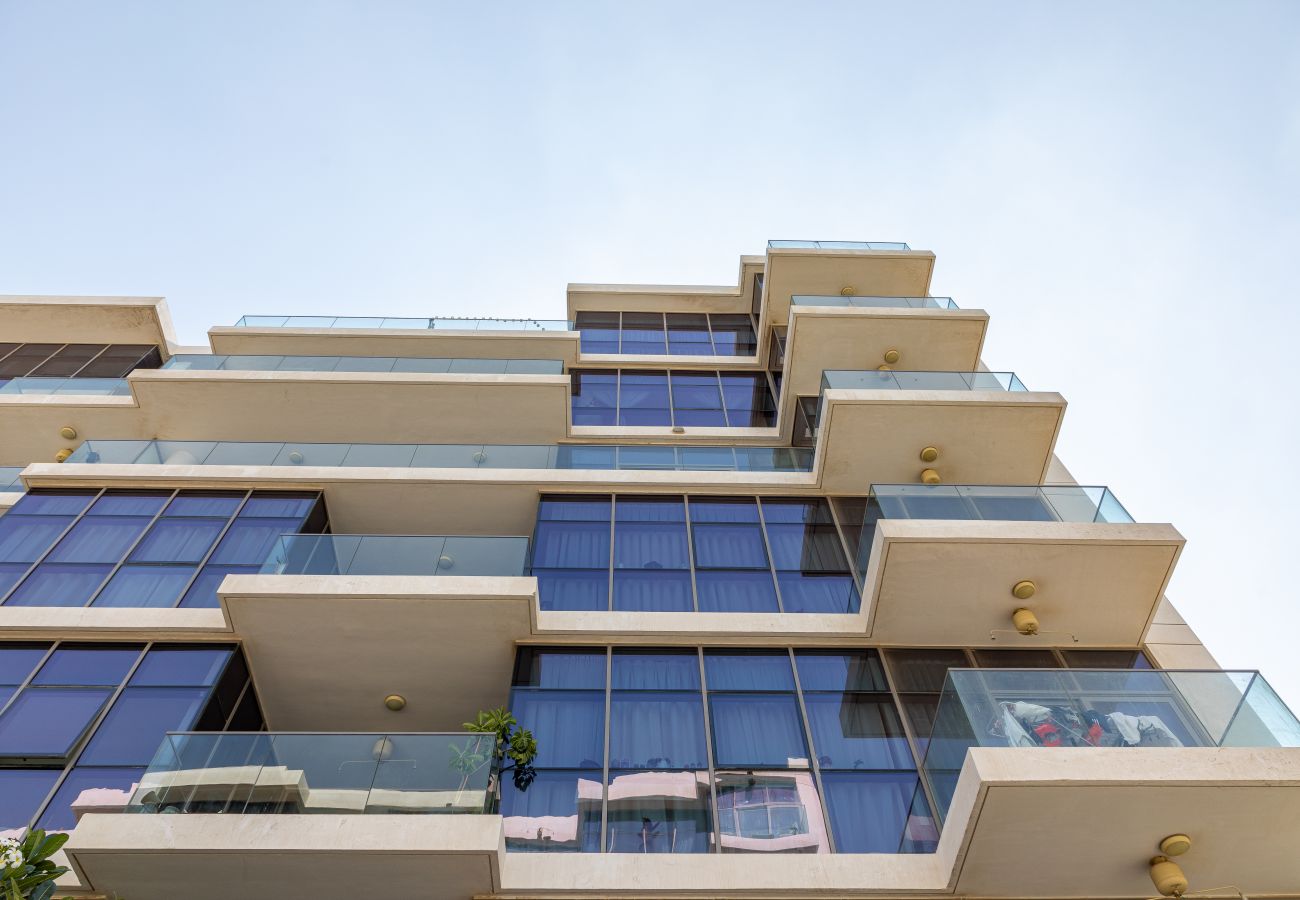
(511, 743)
(28, 873)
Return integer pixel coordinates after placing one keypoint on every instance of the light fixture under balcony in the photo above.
(1023, 590)
(1025, 621)
(395, 702)
(929, 454)
(68, 433)
(930, 476)
(892, 356)
(63, 454)
(1168, 877)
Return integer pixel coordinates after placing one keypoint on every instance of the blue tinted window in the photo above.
(757, 730)
(203, 592)
(572, 589)
(569, 726)
(541, 667)
(734, 546)
(555, 814)
(10, 574)
(22, 791)
(653, 730)
(87, 665)
(723, 591)
(249, 541)
(571, 545)
(650, 534)
(89, 790)
(655, 670)
(99, 539)
(858, 670)
(578, 509)
(129, 503)
(650, 590)
(46, 722)
(24, 538)
(220, 505)
(817, 593)
(738, 670)
(868, 811)
(178, 541)
(134, 727)
(53, 503)
(281, 506)
(17, 661)
(145, 586)
(181, 666)
(857, 731)
(59, 584)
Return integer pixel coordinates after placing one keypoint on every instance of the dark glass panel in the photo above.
(545, 667)
(653, 416)
(817, 593)
(23, 539)
(656, 730)
(579, 508)
(868, 811)
(178, 541)
(129, 503)
(52, 503)
(599, 330)
(68, 361)
(99, 539)
(26, 358)
(560, 812)
(659, 812)
(696, 390)
(832, 670)
(646, 390)
(1106, 659)
(97, 665)
(59, 584)
(639, 590)
(655, 670)
(733, 335)
(805, 547)
(1016, 659)
(119, 360)
(573, 589)
(923, 670)
(213, 504)
(22, 791)
(273, 505)
(203, 592)
(180, 667)
(18, 660)
(249, 541)
(145, 586)
(137, 723)
(757, 730)
(688, 334)
(569, 725)
(47, 722)
(700, 418)
(89, 790)
(594, 397)
(247, 717)
(748, 670)
(857, 731)
(724, 591)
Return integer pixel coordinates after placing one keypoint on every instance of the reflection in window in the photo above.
(770, 812)
(657, 398)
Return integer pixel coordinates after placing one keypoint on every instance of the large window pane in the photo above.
(145, 586)
(52, 503)
(738, 546)
(45, 723)
(569, 726)
(748, 670)
(136, 724)
(560, 668)
(129, 503)
(652, 591)
(59, 584)
(215, 504)
(99, 539)
(22, 791)
(659, 812)
(89, 790)
(655, 670)
(560, 812)
(594, 397)
(18, 660)
(203, 592)
(177, 666)
(770, 812)
(178, 540)
(24, 538)
(868, 811)
(651, 730)
(857, 731)
(106, 665)
(249, 541)
(575, 590)
(571, 545)
(757, 730)
(722, 591)
(829, 670)
(817, 592)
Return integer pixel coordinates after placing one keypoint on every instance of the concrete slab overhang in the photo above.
(1024, 823)
(38, 319)
(984, 437)
(948, 583)
(326, 857)
(413, 342)
(866, 273)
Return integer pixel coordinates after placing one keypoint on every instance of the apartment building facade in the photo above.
(790, 588)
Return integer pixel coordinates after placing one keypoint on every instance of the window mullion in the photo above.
(604, 777)
(107, 347)
(812, 752)
(771, 560)
(714, 816)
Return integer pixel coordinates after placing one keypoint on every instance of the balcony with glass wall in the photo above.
(391, 554)
(11, 479)
(886, 380)
(63, 387)
(840, 269)
(696, 458)
(855, 302)
(836, 245)
(390, 322)
(196, 362)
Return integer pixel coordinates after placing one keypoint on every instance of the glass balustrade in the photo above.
(217, 363)
(447, 456)
(10, 480)
(92, 387)
(875, 302)
(1104, 708)
(392, 554)
(368, 322)
(245, 773)
(837, 245)
(889, 380)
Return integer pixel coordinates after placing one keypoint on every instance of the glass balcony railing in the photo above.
(91, 387)
(447, 324)
(838, 245)
(977, 502)
(1099, 708)
(874, 302)
(888, 380)
(447, 456)
(396, 554)
(9, 480)
(246, 773)
(196, 362)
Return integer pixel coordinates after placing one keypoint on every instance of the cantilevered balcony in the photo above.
(260, 814)
(64, 387)
(1033, 764)
(852, 302)
(841, 268)
(951, 564)
(392, 554)
(199, 362)
(366, 322)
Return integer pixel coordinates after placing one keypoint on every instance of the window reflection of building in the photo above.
(770, 812)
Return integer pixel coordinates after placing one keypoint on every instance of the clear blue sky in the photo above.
(1118, 184)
